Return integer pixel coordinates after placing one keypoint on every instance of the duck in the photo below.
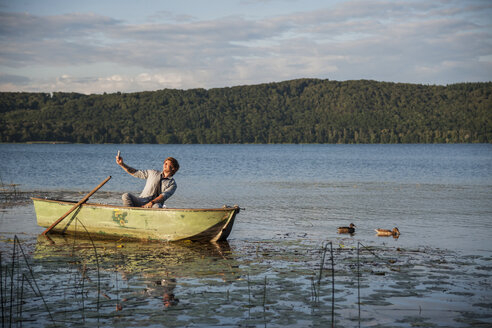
(349, 229)
(385, 232)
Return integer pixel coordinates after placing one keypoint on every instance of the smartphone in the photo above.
(118, 154)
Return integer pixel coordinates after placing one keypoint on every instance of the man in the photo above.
(158, 188)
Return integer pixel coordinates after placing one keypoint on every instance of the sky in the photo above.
(144, 45)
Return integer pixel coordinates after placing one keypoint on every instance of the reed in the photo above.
(264, 301)
(18, 286)
(316, 286)
(13, 281)
(8, 192)
(387, 263)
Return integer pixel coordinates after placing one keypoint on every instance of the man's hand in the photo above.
(119, 160)
(148, 205)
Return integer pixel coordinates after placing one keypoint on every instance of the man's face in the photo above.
(167, 167)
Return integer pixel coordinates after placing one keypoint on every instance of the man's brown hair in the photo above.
(174, 165)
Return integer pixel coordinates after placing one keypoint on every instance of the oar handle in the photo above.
(83, 200)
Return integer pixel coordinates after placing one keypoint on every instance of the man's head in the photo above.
(172, 164)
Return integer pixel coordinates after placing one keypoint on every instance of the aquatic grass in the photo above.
(234, 286)
(8, 193)
(12, 303)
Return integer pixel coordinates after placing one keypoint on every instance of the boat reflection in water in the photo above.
(165, 287)
(128, 274)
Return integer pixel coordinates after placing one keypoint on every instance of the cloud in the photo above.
(404, 41)
(25, 27)
(13, 79)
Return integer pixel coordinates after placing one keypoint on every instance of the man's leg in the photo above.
(131, 200)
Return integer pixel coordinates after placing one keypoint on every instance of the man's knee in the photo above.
(127, 199)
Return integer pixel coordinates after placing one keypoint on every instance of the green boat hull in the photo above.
(108, 221)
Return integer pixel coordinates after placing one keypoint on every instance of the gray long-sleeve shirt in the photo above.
(156, 184)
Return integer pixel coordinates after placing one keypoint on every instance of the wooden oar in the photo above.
(77, 205)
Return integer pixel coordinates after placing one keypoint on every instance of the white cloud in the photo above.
(405, 41)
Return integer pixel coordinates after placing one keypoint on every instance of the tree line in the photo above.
(296, 111)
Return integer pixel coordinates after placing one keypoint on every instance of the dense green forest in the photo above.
(297, 111)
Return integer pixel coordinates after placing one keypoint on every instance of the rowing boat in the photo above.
(161, 224)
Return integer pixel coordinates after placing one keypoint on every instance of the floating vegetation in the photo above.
(77, 281)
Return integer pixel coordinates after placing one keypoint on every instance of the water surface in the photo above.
(294, 197)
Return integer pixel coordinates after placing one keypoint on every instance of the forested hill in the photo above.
(297, 111)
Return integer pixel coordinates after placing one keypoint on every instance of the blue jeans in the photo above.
(130, 200)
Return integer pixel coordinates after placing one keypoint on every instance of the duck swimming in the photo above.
(349, 229)
(385, 232)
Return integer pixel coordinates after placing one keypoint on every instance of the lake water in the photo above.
(294, 197)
